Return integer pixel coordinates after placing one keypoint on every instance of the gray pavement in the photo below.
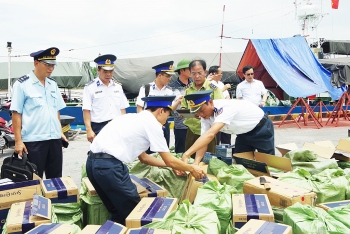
(75, 154)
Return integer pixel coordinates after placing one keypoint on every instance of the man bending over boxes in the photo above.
(124, 139)
(253, 128)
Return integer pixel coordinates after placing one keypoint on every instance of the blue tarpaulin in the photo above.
(291, 64)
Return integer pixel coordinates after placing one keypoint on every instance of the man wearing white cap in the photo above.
(104, 98)
(36, 102)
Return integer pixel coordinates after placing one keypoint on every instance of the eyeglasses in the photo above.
(48, 65)
(249, 74)
(167, 75)
(193, 74)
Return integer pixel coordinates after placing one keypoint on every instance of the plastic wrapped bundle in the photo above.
(217, 197)
(278, 214)
(189, 219)
(308, 160)
(308, 219)
(215, 165)
(324, 187)
(69, 213)
(234, 175)
(341, 214)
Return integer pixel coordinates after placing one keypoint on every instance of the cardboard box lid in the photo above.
(59, 187)
(259, 161)
(343, 147)
(90, 229)
(251, 205)
(279, 187)
(112, 227)
(321, 151)
(254, 226)
(147, 230)
(90, 188)
(29, 213)
(145, 185)
(330, 205)
(285, 148)
(52, 228)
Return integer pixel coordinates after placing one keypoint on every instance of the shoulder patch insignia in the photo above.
(218, 111)
(51, 79)
(212, 86)
(23, 78)
(89, 83)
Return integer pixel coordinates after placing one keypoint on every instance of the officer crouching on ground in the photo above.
(123, 140)
(253, 128)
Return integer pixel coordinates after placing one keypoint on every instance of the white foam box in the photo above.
(147, 230)
(255, 226)
(250, 206)
(329, 205)
(52, 228)
(60, 190)
(148, 188)
(107, 227)
(24, 216)
(281, 194)
(150, 209)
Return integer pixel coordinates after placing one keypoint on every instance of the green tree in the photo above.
(94, 71)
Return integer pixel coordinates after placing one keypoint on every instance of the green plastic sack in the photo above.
(234, 175)
(272, 100)
(308, 219)
(343, 165)
(231, 229)
(217, 197)
(307, 159)
(69, 213)
(189, 219)
(278, 214)
(325, 188)
(163, 176)
(341, 213)
(214, 166)
(94, 211)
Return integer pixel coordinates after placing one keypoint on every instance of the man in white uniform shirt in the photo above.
(253, 128)
(103, 99)
(123, 140)
(160, 87)
(251, 89)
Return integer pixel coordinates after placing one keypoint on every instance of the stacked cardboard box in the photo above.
(107, 227)
(60, 190)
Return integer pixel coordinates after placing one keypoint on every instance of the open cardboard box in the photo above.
(324, 149)
(257, 163)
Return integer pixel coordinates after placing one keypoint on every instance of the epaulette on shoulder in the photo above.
(89, 83)
(115, 81)
(23, 78)
(213, 86)
(51, 79)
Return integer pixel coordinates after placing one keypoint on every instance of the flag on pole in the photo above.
(335, 4)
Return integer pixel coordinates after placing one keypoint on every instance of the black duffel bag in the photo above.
(18, 169)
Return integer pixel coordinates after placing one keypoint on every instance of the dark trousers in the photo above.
(47, 156)
(191, 138)
(223, 138)
(180, 140)
(260, 138)
(166, 133)
(111, 180)
(97, 127)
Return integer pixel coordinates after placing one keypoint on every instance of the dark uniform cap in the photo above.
(183, 64)
(46, 56)
(106, 61)
(196, 100)
(159, 101)
(165, 67)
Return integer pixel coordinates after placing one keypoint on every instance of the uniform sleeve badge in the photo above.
(23, 78)
(89, 83)
(213, 86)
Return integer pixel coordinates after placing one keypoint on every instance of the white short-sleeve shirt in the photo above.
(155, 91)
(104, 102)
(127, 136)
(251, 91)
(221, 85)
(239, 116)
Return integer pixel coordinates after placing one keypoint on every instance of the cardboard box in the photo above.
(150, 209)
(224, 150)
(147, 230)
(90, 189)
(107, 227)
(17, 192)
(3, 216)
(60, 190)
(24, 216)
(324, 149)
(329, 205)
(281, 194)
(147, 188)
(250, 206)
(255, 226)
(192, 184)
(52, 228)
(257, 163)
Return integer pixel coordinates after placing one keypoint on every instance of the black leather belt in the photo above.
(100, 155)
(262, 121)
